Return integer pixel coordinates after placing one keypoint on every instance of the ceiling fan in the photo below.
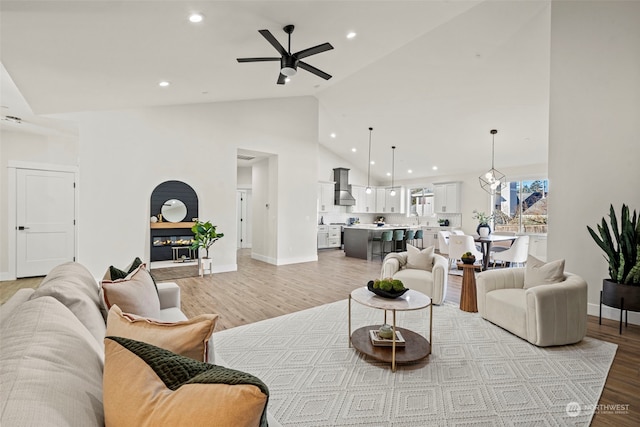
(289, 62)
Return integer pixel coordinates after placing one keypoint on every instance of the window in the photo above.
(521, 206)
(420, 201)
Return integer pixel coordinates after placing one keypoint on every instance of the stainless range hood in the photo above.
(343, 195)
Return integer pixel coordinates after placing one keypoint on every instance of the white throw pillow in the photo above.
(135, 294)
(538, 272)
(420, 259)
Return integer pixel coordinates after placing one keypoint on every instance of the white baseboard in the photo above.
(288, 261)
(263, 258)
(612, 313)
(225, 268)
(5, 275)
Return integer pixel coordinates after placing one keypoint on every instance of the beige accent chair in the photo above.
(431, 282)
(545, 315)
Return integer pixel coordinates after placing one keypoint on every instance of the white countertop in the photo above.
(384, 227)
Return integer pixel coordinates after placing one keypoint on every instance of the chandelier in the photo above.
(493, 180)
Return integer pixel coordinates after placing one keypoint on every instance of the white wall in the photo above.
(125, 154)
(594, 126)
(244, 177)
(327, 161)
(32, 148)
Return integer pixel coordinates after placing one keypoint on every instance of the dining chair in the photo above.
(460, 244)
(443, 242)
(502, 246)
(516, 254)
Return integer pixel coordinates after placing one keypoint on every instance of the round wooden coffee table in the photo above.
(414, 348)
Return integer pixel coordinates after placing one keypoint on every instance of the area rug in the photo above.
(478, 374)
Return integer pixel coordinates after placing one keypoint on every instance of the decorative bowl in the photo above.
(468, 260)
(385, 294)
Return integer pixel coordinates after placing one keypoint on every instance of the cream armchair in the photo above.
(432, 283)
(544, 315)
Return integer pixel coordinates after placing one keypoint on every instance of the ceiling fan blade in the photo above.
(275, 43)
(314, 70)
(257, 59)
(281, 79)
(313, 50)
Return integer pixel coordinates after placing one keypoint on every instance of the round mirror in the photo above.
(174, 210)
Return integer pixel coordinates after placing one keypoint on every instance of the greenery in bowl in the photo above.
(621, 245)
(388, 285)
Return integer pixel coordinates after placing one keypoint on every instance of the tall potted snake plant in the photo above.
(621, 245)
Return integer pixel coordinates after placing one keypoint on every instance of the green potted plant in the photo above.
(483, 229)
(205, 235)
(621, 245)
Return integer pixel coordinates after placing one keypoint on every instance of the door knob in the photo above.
(22, 227)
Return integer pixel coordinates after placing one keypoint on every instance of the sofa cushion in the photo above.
(508, 308)
(135, 294)
(145, 385)
(7, 309)
(420, 259)
(73, 285)
(538, 272)
(189, 338)
(50, 368)
(418, 280)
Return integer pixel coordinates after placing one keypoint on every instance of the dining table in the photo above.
(486, 242)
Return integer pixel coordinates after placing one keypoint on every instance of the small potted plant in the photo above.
(621, 246)
(468, 258)
(483, 229)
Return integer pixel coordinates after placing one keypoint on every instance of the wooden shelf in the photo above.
(172, 224)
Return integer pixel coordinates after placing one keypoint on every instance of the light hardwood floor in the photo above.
(259, 291)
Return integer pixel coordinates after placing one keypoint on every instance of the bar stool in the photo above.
(409, 236)
(419, 236)
(398, 236)
(385, 237)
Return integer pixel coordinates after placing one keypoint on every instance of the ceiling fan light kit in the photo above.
(289, 62)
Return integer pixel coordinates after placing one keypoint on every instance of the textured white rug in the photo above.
(478, 374)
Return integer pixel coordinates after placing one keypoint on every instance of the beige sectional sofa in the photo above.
(52, 350)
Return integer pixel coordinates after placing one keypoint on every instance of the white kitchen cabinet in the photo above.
(381, 200)
(430, 237)
(394, 204)
(447, 197)
(329, 236)
(326, 197)
(335, 239)
(365, 203)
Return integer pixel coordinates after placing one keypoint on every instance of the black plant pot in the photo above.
(617, 295)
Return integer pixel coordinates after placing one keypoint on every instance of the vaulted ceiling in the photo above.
(431, 77)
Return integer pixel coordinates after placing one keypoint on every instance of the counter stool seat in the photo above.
(386, 236)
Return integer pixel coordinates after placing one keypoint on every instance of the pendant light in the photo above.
(493, 180)
(368, 189)
(392, 193)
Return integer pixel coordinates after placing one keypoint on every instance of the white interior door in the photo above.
(45, 218)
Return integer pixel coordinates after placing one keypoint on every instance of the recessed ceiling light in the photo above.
(196, 17)
(409, 171)
(354, 149)
(333, 135)
(435, 168)
(164, 83)
(373, 162)
(287, 80)
(351, 34)
(388, 173)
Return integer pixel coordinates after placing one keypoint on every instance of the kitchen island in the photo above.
(358, 239)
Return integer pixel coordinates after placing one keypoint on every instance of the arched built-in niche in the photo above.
(180, 203)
